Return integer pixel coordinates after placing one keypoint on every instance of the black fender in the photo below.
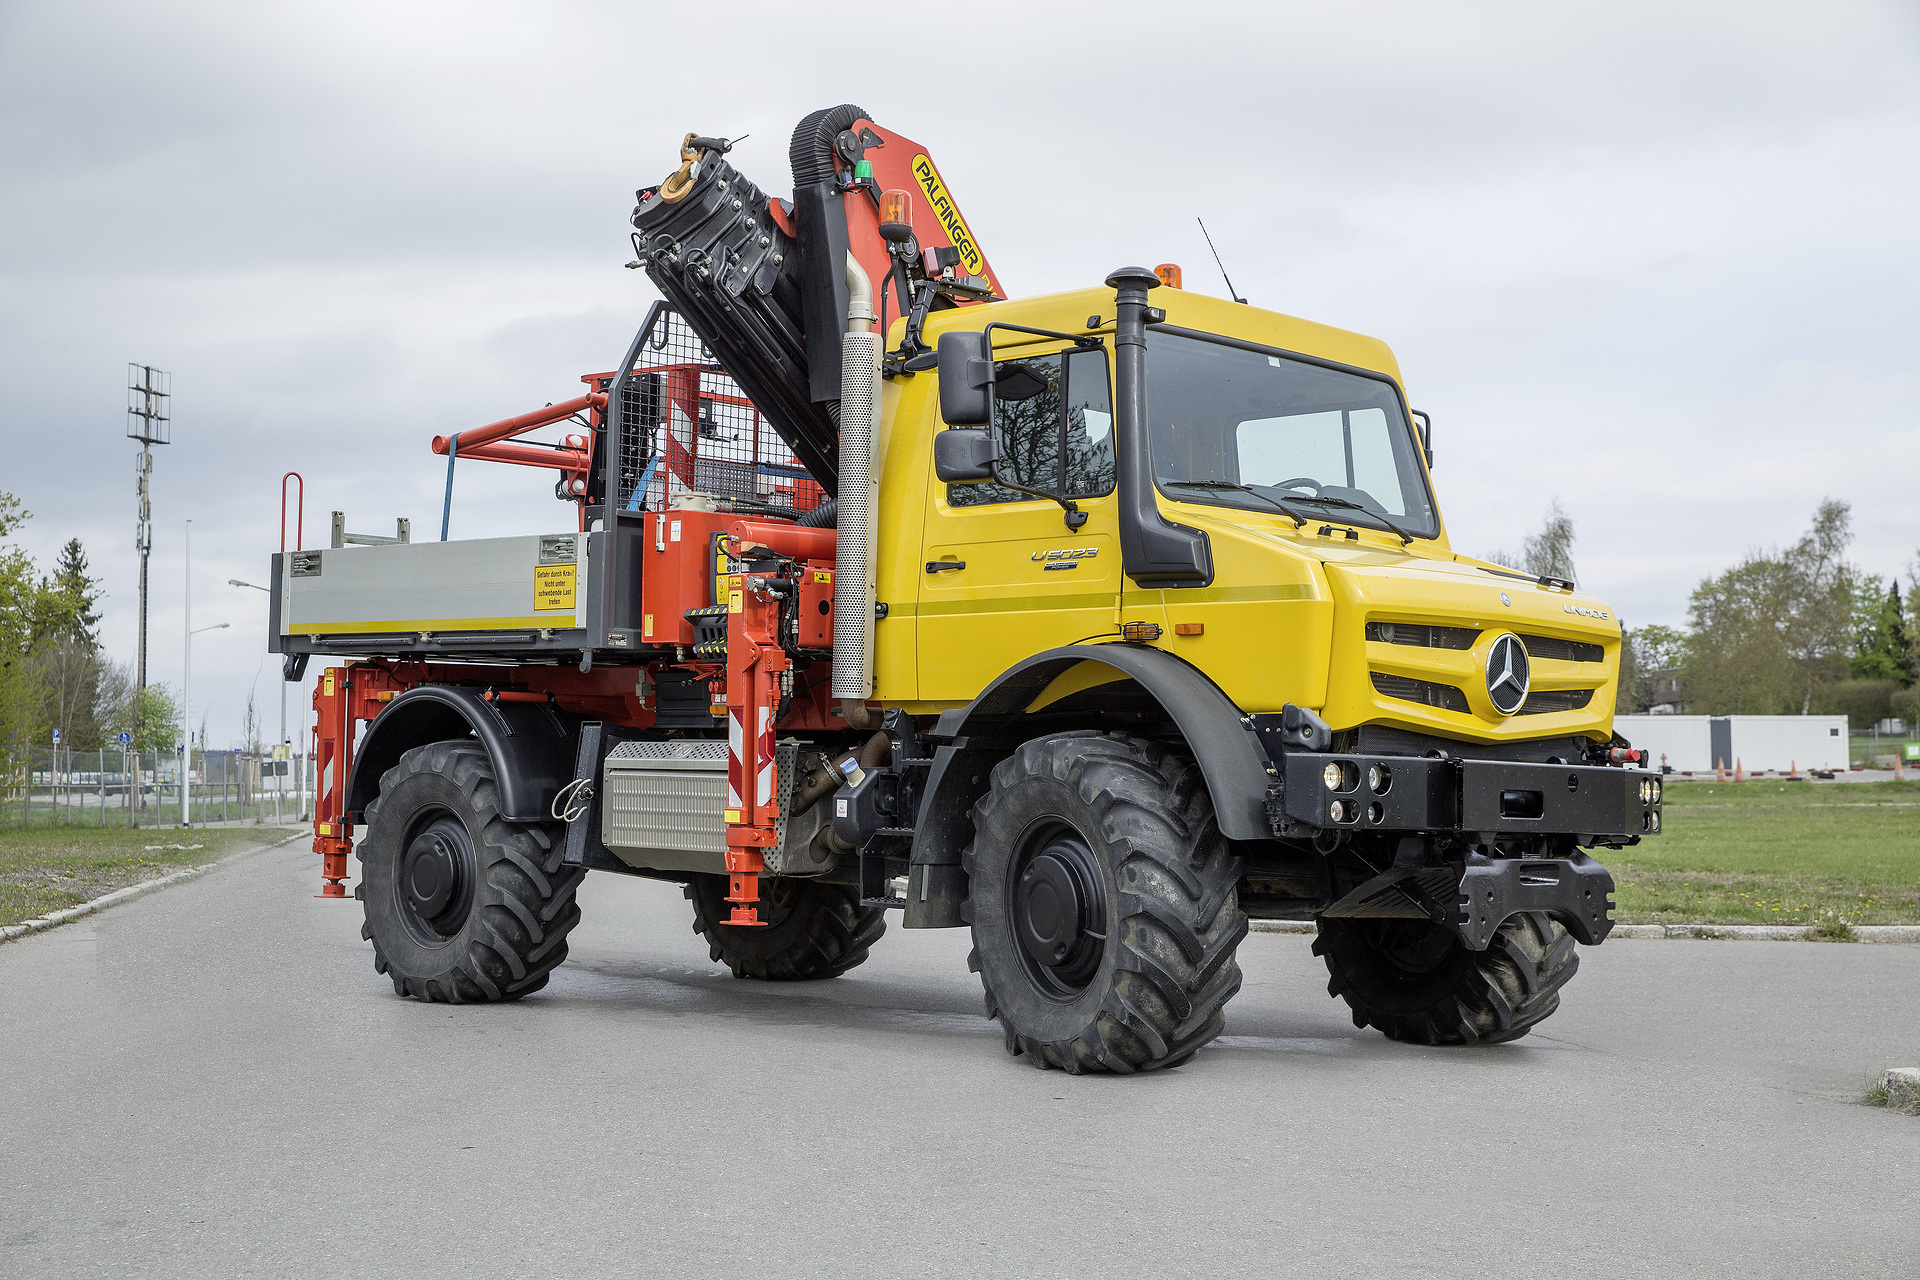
(1224, 745)
(530, 743)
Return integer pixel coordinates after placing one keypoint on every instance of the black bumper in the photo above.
(1576, 890)
(1593, 804)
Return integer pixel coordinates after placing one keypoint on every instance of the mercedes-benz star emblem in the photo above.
(1507, 674)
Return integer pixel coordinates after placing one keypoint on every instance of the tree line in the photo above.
(54, 672)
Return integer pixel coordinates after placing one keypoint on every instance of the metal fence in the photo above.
(59, 786)
(1875, 749)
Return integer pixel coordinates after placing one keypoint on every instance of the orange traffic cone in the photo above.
(1793, 769)
(1899, 774)
(1720, 769)
(1739, 773)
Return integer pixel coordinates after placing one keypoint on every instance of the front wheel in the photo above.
(1102, 904)
(1416, 981)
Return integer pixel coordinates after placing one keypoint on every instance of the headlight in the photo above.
(1333, 776)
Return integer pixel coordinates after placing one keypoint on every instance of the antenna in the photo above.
(1231, 291)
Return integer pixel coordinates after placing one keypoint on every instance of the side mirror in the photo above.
(966, 380)
(963, 455)
(1426, 436)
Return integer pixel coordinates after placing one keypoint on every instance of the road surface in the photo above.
(212, 1081)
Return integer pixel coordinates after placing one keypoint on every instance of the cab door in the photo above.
(1003, 575)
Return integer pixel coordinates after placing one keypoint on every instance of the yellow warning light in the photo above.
(1169, 274)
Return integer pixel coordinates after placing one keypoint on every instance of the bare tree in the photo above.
(1819, 583)
(67, 670)
(1548, 553)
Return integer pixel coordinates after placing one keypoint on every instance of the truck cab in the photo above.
(1338, 591)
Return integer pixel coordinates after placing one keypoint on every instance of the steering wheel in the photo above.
(1301, 482)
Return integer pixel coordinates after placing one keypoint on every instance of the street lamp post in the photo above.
(186, 761)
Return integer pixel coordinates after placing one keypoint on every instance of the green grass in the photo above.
(1826, 855)
(46, 869)
(45, 814)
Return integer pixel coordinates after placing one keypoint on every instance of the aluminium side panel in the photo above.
(482, 584)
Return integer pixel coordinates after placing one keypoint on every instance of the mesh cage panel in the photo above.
(686, 425)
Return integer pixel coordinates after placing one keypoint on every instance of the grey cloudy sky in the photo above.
(1657, 260)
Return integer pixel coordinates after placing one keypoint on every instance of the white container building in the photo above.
(1682, 743)
(1701, 744)
(1778, 743)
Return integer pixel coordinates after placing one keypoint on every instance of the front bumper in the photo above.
(1484, 799)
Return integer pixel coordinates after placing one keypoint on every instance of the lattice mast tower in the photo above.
(149, 419)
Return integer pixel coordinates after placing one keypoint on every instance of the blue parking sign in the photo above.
(56, 737)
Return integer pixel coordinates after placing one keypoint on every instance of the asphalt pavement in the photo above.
(212, 1081)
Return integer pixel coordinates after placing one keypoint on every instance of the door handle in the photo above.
(939, 566)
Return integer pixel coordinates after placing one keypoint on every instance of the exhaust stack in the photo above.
(859, 502)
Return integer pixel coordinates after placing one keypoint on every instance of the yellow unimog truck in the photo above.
(1097, 623)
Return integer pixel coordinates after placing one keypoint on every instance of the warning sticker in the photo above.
(553, 586)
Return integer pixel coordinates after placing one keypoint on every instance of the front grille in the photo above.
(1562, 650)
(1425, 692)
(1422, 635)
(1541, 701)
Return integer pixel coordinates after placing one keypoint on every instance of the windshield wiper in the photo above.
(1405, 537)
(1541, 579)
(1299, 521)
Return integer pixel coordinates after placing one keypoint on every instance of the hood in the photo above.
(1413, 629)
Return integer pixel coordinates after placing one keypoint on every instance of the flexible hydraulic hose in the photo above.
(821, 517)
(811, 151)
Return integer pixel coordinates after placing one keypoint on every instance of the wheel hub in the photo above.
(436, 877)
(1059, 910)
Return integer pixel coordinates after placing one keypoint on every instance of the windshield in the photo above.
(1331, 445)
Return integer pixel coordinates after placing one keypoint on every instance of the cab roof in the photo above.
(1069, 312)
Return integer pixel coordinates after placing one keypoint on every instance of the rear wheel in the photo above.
(461, 905)
(812, 930)
(1416, 981)
(1102, 905)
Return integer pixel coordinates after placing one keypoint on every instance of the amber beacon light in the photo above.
(896, 216)
(1169, 274)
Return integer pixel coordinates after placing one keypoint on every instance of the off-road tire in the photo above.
(813, 930)
(518, 898)
(1166, 885)
(1416, 981)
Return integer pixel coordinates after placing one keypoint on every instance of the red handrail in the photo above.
(299, 511)
(473, 438)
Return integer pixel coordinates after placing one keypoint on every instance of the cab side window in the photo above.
(1053, 417)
